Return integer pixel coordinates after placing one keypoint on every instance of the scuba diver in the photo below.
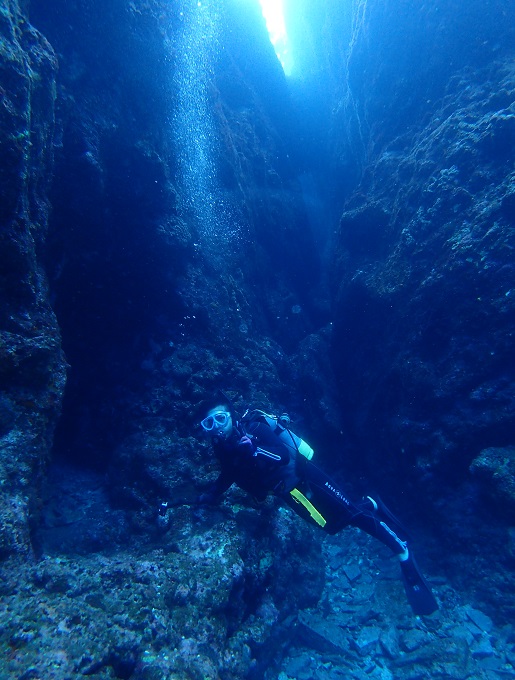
(260, 454)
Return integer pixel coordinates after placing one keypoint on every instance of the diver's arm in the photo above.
(217, 489)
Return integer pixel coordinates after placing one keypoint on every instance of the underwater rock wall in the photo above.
(422, 257)
(159, 304)
(32, 366)
(179, 251)
(422, 277)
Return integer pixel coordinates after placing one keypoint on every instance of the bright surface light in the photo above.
(273, 13)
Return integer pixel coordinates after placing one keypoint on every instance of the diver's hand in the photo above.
(246, 446)
(163, 516)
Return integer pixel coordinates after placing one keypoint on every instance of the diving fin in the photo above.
(418, 592)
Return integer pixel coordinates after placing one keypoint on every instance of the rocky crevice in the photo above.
(411, 385)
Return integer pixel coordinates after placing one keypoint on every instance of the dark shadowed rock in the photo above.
(32, 366)
(495, 468)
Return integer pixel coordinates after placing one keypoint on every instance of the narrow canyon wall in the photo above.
(148, 181)
(423, 273)
(32, 366)
(168, 279)
(422, 276)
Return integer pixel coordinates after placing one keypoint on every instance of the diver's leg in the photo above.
(374, 525)
(340, 511)
(371, 518)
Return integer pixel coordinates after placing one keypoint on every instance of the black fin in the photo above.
(418, 592)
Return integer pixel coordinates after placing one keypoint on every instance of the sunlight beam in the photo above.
(274, 17)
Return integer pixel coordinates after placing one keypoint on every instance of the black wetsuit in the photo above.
(267, 464)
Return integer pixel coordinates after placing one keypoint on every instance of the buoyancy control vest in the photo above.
(274, 431)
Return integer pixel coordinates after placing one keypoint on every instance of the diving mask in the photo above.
(216, 422)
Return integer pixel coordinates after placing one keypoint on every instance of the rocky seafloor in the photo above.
(363, 628)
(226, 592)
